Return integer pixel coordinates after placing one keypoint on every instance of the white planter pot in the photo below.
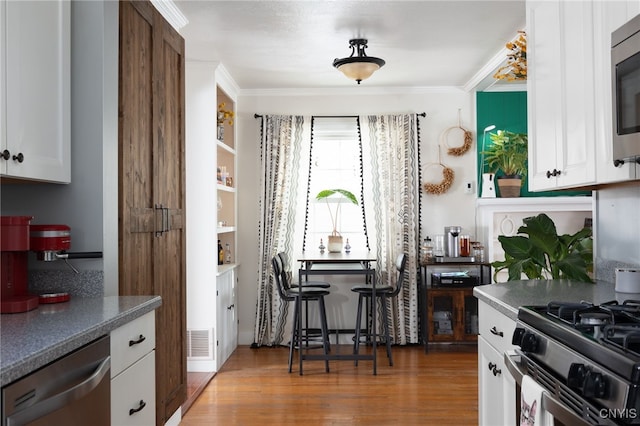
(334, 244)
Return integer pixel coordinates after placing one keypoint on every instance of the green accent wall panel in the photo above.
(507, 111)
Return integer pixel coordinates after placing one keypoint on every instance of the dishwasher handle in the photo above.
(61, 399)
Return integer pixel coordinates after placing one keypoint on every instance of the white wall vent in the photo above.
(199, 344)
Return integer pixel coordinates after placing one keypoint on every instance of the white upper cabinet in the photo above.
(569, 93)
(611, 15)
(35, 90)
(561, 105)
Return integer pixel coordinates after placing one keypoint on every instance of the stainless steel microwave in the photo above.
(625, 76)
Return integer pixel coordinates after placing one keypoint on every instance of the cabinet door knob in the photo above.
(231, 306)
(19, 158)
(5, 154)
(553, 173)
(495, 331)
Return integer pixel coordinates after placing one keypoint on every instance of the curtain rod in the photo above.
(421, 114)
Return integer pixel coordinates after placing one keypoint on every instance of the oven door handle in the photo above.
(549, 403)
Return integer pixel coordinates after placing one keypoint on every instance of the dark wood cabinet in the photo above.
(452, 315)
(152, 186)
(449, 312)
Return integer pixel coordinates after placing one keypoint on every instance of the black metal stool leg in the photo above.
(325, 331)
(385, 320)
(295, 339)
(356, 339)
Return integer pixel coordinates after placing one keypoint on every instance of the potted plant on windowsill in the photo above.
(508, 153)
(334, 241)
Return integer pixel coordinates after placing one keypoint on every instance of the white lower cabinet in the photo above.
(133, 397)
(133, 387)
(227, 319)
(496, 387)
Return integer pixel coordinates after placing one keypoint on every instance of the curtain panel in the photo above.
(391, 159)
(284, 155)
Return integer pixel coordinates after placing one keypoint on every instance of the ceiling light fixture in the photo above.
(358, 67)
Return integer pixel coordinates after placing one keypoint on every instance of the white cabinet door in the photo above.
(4, 152)
(133, 397)
(37, 96)
(496, 389)
(560, 101)
(609, 17)
(227, 321)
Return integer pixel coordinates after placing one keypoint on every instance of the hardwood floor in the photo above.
(439, 387)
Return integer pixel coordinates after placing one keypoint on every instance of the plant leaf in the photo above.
(542, 233)
(518, 247)
(325, 193)
(573, 267)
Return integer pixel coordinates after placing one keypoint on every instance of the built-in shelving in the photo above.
(225, 182)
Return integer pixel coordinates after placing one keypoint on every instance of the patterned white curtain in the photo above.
(390, 156)
(285, 147)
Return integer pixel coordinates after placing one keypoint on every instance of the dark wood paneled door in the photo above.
(152, 186)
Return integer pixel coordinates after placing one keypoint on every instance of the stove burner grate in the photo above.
(625, 337)
(565, 311)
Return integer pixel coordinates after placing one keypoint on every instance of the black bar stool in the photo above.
(383, 292)
(297, 295)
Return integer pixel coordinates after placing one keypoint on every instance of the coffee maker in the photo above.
(14, 247)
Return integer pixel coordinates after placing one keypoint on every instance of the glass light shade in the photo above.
(359, 70)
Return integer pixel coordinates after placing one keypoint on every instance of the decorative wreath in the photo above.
(458, 150)
(444, 185)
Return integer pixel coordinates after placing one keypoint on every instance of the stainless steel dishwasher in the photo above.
(74, 390)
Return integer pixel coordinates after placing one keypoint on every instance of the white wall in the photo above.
(441, 106)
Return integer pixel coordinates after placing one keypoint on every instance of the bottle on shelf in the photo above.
(227, 253)
(220, 253)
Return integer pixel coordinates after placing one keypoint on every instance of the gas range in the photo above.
(587, 355)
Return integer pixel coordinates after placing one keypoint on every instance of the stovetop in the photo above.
(608, 334)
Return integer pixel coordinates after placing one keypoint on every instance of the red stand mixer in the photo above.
(14, 245)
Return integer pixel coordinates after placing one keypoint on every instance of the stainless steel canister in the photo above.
(452, 241)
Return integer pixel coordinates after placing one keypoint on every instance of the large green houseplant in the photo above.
(508, 153)
(334, 241)
(540, 253)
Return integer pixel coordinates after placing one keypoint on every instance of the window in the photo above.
(336, 162)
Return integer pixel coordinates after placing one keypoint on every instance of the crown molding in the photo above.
(483, 80)
(346, 91)
(171, 13)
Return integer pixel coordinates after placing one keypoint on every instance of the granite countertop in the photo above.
(509, 296)
(33, 339)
